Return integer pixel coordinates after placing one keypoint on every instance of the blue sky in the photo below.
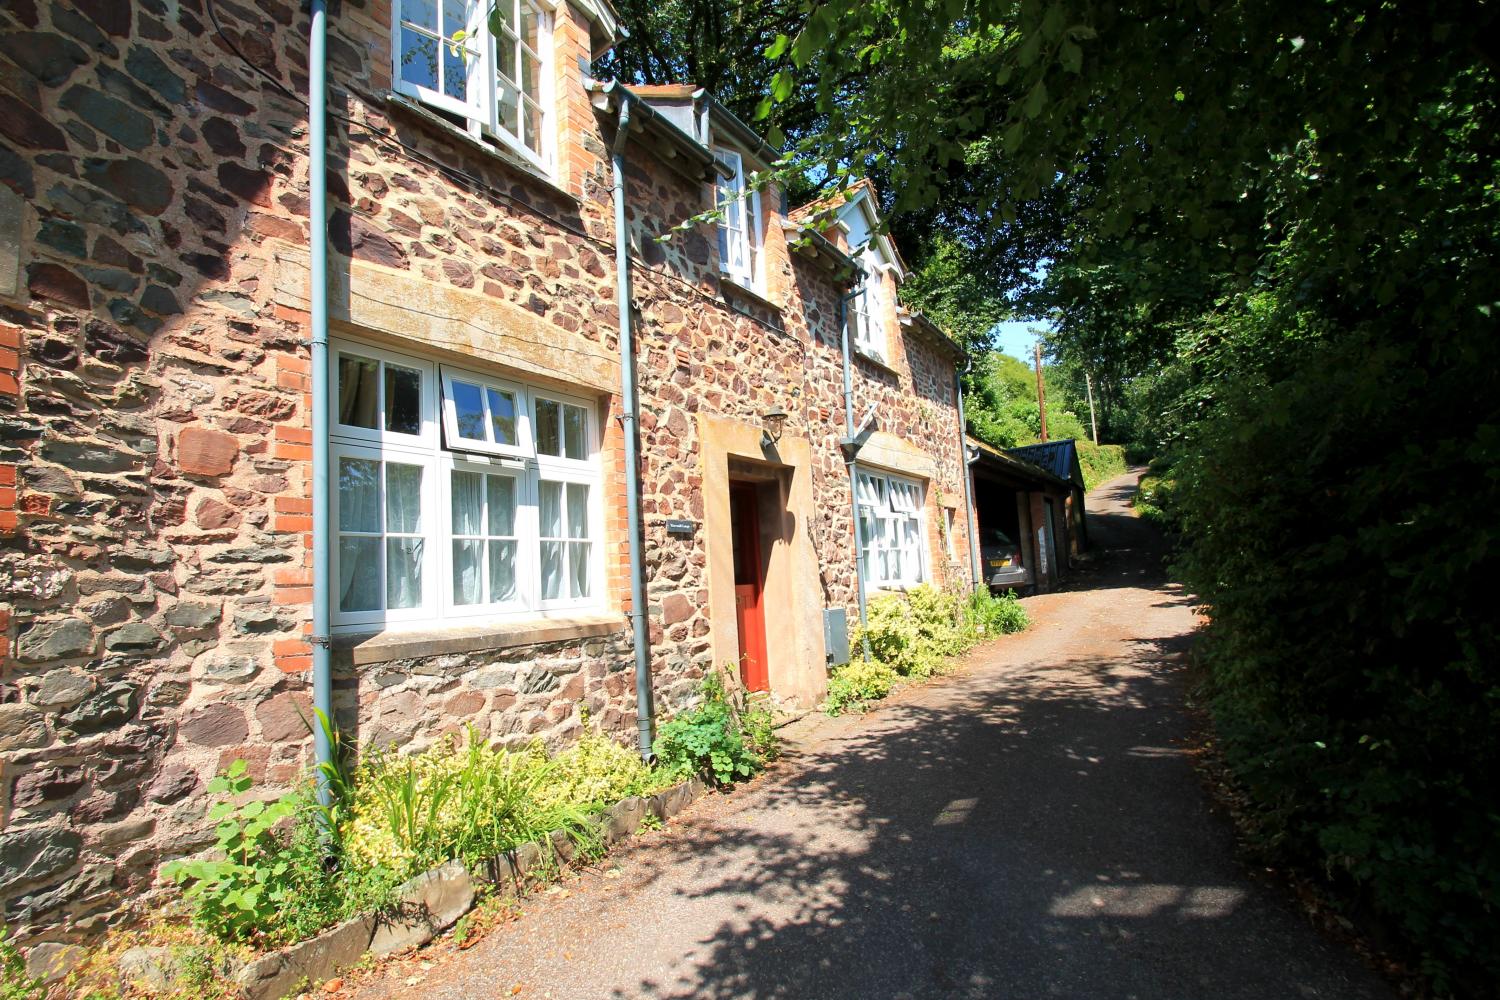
(1013, 338)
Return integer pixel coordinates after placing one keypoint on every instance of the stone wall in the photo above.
(154, 411)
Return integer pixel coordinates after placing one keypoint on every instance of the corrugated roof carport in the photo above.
(1012, 495)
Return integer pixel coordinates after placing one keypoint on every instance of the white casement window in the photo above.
(458, 495)
(892, 548)
(867, 311)
(739, 231)
(495, 76)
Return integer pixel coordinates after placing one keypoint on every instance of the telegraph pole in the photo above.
(1041, 390)
(1089, 384)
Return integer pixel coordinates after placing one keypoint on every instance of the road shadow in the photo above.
(1036, 833)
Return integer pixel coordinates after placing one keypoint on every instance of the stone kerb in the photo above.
(432, 902)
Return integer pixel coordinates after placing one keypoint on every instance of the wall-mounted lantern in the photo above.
(775, 423)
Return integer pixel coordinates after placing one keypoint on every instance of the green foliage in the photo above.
(15, 983)
(287, 868)
(241, 891)
(1100, 462)
(708, 739)
(989, 614)
(758, 723)
(856, 684)
(914, 633)
(1289, 285)
(1155, 501)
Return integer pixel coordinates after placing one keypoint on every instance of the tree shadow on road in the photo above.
(1015, 836)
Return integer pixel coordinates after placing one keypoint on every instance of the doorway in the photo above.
(749, 586)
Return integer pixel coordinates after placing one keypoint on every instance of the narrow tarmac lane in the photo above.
(1028, 827)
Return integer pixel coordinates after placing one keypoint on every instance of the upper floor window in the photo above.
(488, 67)
(739, 231)
(458, 495)
(867, 311)
(892, 546)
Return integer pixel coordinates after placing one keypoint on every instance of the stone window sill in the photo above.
(876, 362)
(732, 290)
(365, 648)
(447, 129)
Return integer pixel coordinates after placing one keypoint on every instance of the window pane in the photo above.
(531, 26)
(508, 108)
(468, 409)
(456, 69)
(552, 570)
(574, 424)
(505, 13)
(502, 505)
(359, 391)
(468, 503)
(359, 494)
(502, 571)
(455, 17)
(548, 428)
(403, 400)
(578, 568)
(403, 498)
(468, 569)
(420, 12)
(531, 76)
(419, 59)
(359, 574)
(503, 416)
(532, 125)
(578, 511)
(403, 569)
(551, 509)
(505, 64)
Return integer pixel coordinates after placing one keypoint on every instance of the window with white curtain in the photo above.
(483, 61)
(892, 549)
(739, 230)
(458, 495)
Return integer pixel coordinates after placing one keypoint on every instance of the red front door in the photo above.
(749, 605)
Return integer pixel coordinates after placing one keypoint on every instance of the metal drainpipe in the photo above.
(859, 576)
(317, 140)
(975, 568)
(645, 712)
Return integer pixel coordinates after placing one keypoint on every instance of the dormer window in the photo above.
(739, 230)
(489, 73)
(867, 311)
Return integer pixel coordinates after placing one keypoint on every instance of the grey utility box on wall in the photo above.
(836, 635)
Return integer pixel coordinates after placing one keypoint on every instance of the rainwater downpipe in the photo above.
(975, 568)
(317, 140)
(645, 711)
(852, 463)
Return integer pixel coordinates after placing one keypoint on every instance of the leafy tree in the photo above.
(1272, 230)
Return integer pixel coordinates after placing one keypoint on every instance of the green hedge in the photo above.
(1100, 462)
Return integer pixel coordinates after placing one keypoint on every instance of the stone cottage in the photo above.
(156, 425)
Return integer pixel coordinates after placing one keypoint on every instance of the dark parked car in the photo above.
(1001, 558)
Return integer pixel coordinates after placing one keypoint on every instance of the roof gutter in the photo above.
(680, 150)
